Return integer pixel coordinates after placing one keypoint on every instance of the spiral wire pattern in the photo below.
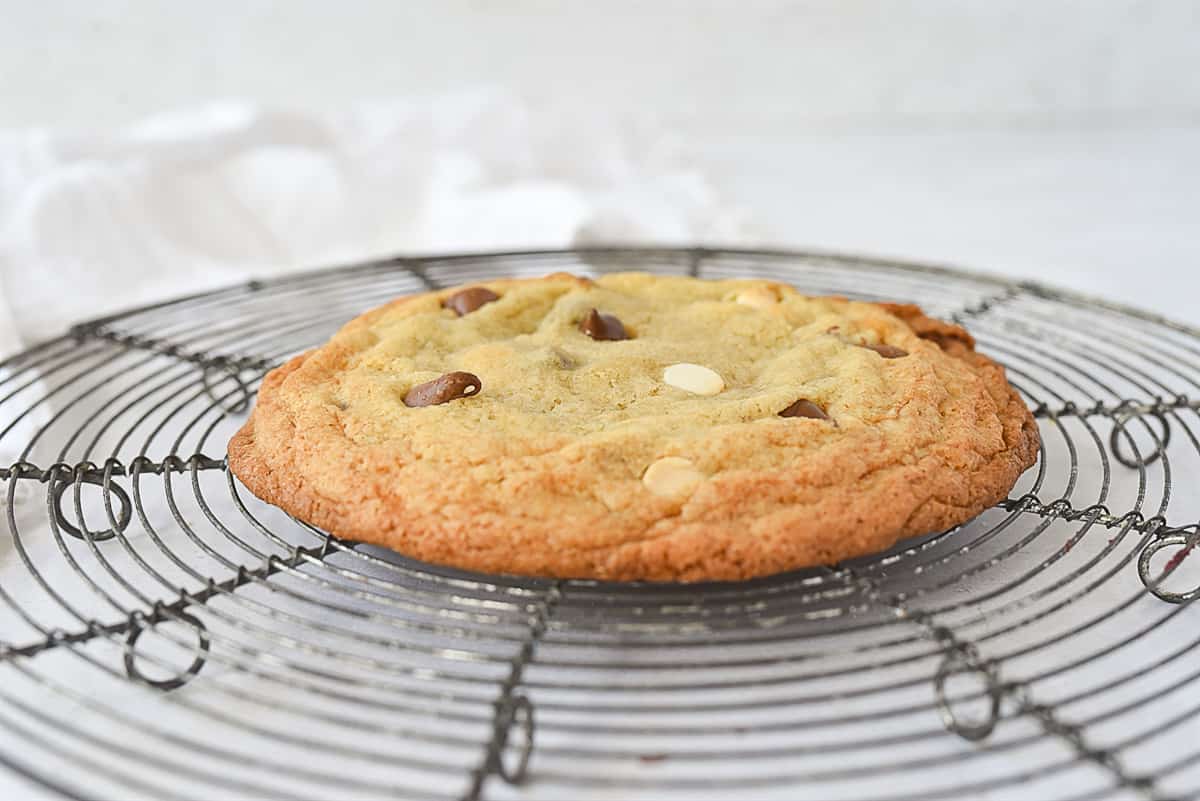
(164, 634)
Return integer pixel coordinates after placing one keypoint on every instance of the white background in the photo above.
(1052, 140)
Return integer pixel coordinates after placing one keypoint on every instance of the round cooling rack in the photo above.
(164, 634)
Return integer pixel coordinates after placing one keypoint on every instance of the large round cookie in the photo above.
(569, 451)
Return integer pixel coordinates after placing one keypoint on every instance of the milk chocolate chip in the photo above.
(602, 326)
(440, 390)
(887, 351)
(804, 408)
(470, 299)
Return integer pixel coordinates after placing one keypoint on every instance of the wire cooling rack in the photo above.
(163, 634)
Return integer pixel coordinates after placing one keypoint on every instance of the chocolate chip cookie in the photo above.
(636, 427)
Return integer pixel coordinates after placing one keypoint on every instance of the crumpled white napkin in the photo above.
(187, 201)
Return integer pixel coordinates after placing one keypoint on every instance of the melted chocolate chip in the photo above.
(804, 408)
(470, 299)
(602, 326)
(440, 390)
(887, 351)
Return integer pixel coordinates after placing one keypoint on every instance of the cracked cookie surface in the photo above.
(725, 429)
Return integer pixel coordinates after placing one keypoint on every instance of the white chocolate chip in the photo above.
(672, 477)
(694, 378)
(757, 296)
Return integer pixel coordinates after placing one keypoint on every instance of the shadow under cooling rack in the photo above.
(164, 634)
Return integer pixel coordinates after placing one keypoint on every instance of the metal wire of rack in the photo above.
(163, 634)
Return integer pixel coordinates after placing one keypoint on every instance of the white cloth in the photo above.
(188, 201)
